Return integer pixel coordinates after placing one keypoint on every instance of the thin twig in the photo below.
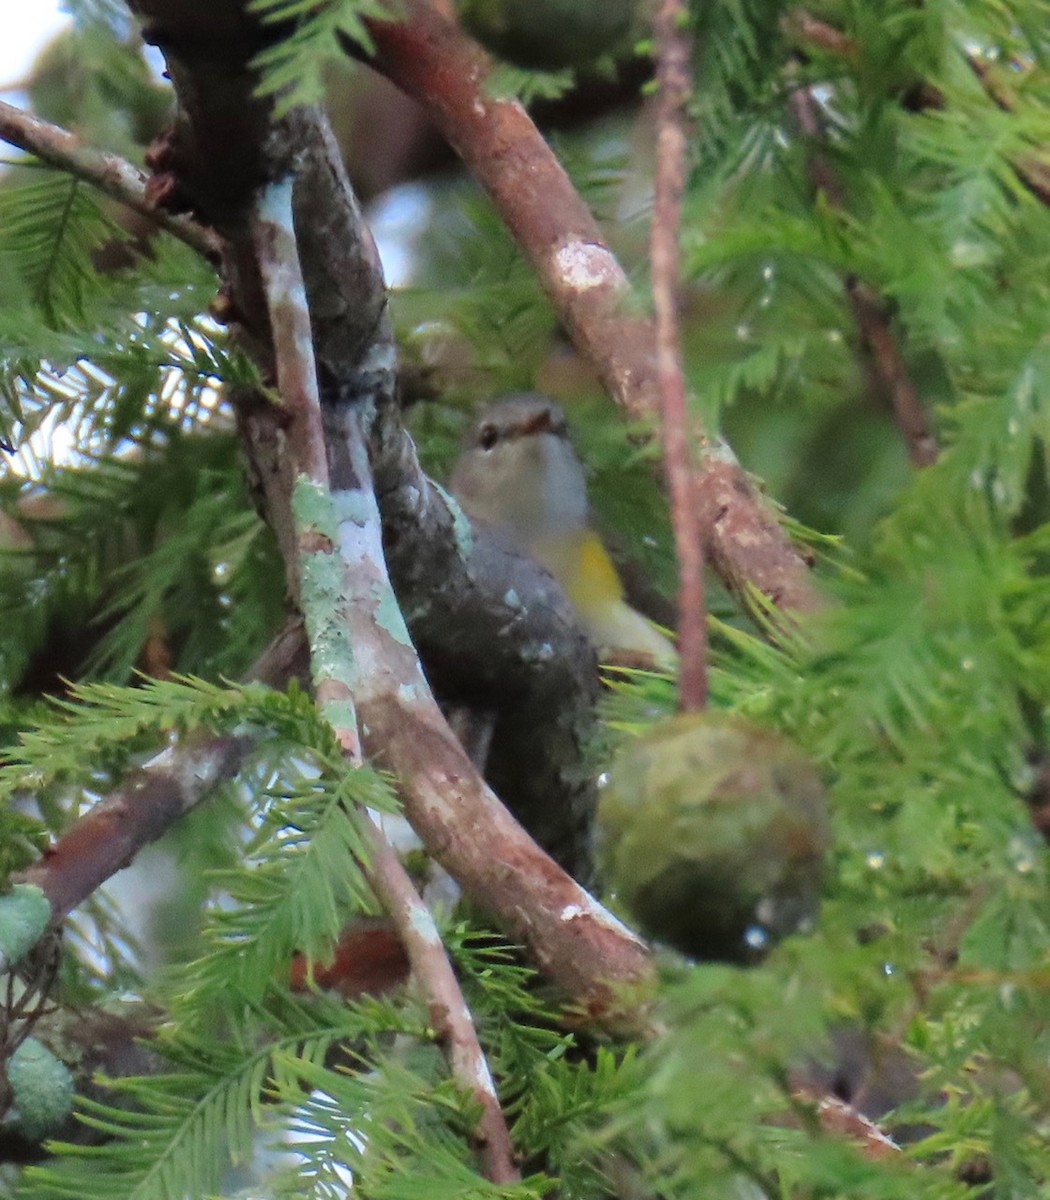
(326, 563)
(870, 311)
(449, 1016)
(110, 173)
(673, 82)
(876, 331)
(837, 1117)
(803, 27)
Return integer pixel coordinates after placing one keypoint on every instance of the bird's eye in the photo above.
(488, 436)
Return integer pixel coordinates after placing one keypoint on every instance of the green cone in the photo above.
(712, 833)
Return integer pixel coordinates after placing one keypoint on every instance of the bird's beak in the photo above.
(542, 422)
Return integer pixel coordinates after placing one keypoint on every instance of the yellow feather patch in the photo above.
(583, 567)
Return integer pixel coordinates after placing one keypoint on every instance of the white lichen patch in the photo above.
(340, 714)
(283, 279)
(602, 916)
(586, 265)
(461, 527)
(275, 203)
(423, 924)
(719, 451)
(479, 1070)
(357, 508)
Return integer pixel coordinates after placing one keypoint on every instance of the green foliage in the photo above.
(529, 86)
(161, 548)
(176, 1129)
(293, 890)
(741, 53)
(476, 285)
(299, 880)
(94, 80)
(139, 543)
(322, 31)
(50, 230)
(111, 353)
(933, 214)
(101, 721)
(922, 692)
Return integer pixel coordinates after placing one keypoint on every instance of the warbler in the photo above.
(520, 474)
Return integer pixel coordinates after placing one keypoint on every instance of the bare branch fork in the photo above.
(331, 615)
(571, 938)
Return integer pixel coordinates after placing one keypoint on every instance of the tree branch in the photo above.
(150, 801)
(156, 795)
(317, 565)
(110, 173)
(674, 85)
(447, 1010)
(333, 553)
(869, 309)
(431, 60)
(876, 332)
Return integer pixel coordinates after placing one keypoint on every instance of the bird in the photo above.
(520, 474)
